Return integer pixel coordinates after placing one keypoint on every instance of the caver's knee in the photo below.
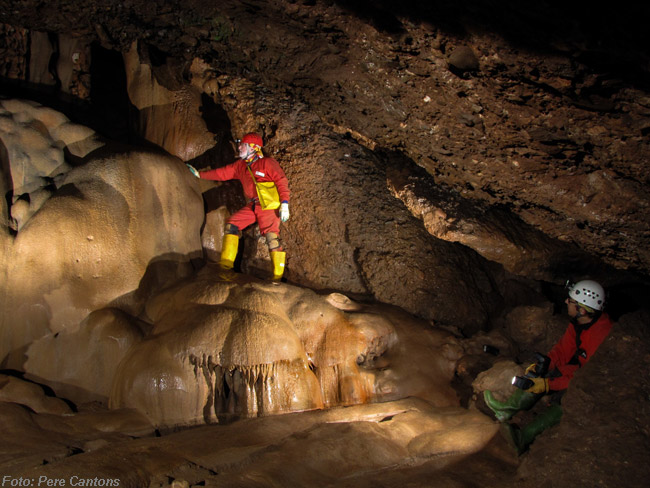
(273, 241)
(233, 230)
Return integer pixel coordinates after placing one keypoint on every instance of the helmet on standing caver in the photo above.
(253, 138)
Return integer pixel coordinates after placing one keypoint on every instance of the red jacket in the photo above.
(564, 359)
(264, 169)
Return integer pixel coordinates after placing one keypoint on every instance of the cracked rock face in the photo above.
(529, 150)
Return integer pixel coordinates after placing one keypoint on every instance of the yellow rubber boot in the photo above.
(229, 251)
(278, 258)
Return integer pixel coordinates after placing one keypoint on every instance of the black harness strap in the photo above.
(580, 328)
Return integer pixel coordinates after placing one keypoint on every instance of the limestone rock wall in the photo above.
(543, 114)
(530, 126)
(168, 108)
(49, 61)
(347, 232)
(119, 224)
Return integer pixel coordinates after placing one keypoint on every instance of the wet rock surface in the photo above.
(348, 444)
(400, 442)
(114, 209)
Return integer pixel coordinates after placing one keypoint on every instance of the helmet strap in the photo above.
(257, 149)
(255, 154)
(582, 315)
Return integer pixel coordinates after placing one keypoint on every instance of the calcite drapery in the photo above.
(228, 349)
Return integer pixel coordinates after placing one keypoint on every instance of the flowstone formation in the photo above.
(357, 446)
(88, 226)
(454, 159)
(220, 350)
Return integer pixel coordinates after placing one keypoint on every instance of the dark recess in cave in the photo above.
(110, 105)
(217, 122)
(109, 110)
(614, 38)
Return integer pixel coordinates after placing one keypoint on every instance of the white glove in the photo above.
(193, 170)
(284, 212)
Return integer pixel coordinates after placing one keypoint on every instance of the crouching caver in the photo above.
(266, 189)
(550, 375)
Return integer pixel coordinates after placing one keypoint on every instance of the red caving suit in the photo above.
(565, 357)
(264, 169)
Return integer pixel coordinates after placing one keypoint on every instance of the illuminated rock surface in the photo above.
(220, 350)
(111, 231)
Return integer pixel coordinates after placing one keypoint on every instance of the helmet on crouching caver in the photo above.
(588, 293)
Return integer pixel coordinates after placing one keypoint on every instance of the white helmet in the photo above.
(589, 293)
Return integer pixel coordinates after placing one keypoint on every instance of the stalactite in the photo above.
(342, 384)
(249, 391)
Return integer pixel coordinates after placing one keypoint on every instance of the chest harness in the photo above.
(579, 329)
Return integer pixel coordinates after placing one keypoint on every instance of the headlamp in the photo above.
(522, 382)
